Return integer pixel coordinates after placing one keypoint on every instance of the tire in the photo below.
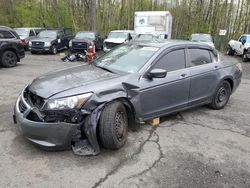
(230, 51)
(9, 59)
(221, 96)
(244, 57)
(113, 126)
(54, 49)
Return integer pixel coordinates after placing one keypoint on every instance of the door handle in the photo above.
(183, 75)
(216, 67)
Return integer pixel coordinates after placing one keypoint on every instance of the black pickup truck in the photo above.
(84, 39)
(11, 47)
(51, 40)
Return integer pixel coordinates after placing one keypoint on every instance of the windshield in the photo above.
(47, 34)
(118, 35)
(84, 35)
(248, 39)
(201, 38)
(22, 32)
(126, 58)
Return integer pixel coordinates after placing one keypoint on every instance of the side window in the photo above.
(172, 61)
(214, 56)
(243, 39)
(6, 35)
(199, 57)
(31, 33)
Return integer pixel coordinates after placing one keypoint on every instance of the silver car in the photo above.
(27, 34)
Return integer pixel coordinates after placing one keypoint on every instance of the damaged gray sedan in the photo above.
(94, 104)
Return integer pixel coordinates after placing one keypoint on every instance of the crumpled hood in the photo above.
(52, 83)
(115, 40)
(42, 40)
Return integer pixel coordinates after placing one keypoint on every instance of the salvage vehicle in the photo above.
(240, 47)
(27, 34)
(203, 38)
(50, 40)
(116, 38)
(11, 47)
(95, 103)
(83, 40)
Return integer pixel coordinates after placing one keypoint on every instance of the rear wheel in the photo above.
(221, 96)
(113, 126)
(9, 59)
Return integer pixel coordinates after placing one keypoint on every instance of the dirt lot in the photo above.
(196, 148)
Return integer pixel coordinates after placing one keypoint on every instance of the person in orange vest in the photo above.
(90, 53)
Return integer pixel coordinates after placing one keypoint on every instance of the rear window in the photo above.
(199, 57)
(6, 35)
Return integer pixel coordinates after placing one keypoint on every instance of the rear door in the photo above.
(204, 76)
(160, 96)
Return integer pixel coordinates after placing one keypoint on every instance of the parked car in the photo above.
(116, 38)
(84, 39)
(240, 47)
(11, 47)
(146, 37)
(132, 83)
(203, 38)
(27, 34)
(51, 40)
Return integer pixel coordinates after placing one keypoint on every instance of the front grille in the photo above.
(80, 45)
(111, 45)
(38, 44)
(22, 106)
(35, 100)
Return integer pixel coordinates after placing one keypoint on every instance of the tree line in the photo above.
(189, 16)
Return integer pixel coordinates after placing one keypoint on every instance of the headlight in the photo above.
(47, 44)
(70, 43)
(30, 43)
(73, 102)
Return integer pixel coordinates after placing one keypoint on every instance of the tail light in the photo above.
(22, 43)
(238, 65)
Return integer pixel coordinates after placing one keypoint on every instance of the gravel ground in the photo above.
(196, 148)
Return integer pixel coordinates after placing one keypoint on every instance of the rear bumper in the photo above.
(56, 136)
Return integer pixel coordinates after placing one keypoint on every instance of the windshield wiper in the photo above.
(104, 68)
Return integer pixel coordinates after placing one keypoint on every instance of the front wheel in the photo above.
(230, 51)
(244, 57)
(113, 126)
(9, 59)
(221, 96)
(54, 50)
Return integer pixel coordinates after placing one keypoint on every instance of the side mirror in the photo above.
(157, 73)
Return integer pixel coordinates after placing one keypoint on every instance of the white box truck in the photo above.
(153, 22)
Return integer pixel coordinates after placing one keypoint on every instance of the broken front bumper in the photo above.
(47, 135)
(58, 135)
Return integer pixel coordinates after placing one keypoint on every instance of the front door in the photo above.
(159, 96)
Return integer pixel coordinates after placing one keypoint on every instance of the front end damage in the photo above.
(57, 129)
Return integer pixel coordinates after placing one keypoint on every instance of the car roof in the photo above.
(170, 43)
(28, 28)
(5, 27)
(246, 35)
(122, 31)
(86, 32)
(201, 34)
